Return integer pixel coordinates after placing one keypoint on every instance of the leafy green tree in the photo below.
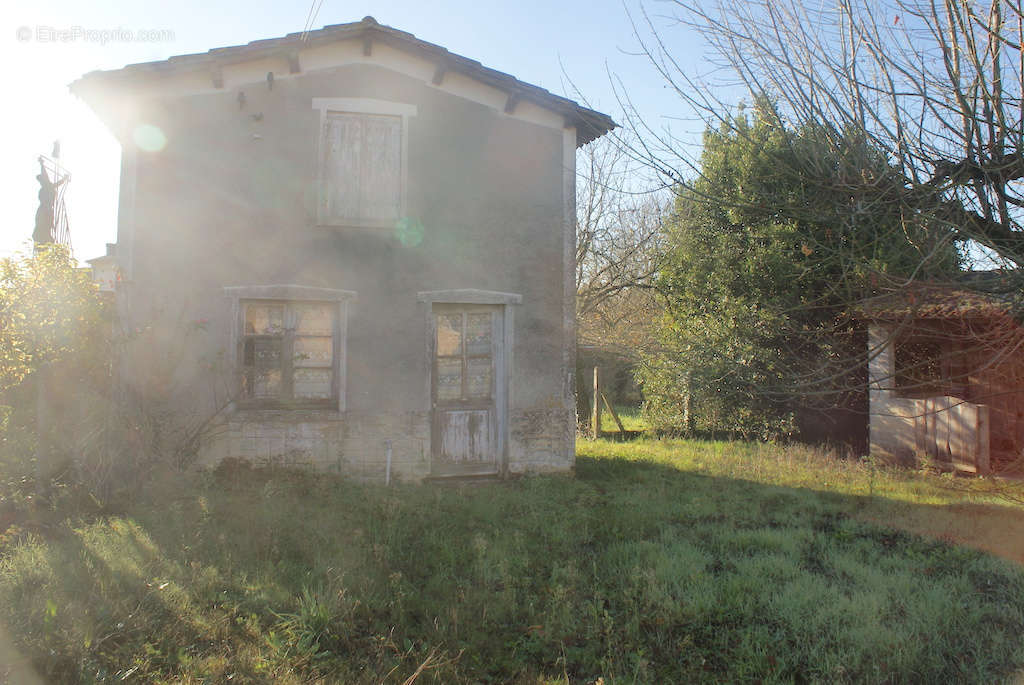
(49, 311)
(54, 361)
(63, 419)
(765, 252)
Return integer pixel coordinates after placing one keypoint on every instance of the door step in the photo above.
(467, 477)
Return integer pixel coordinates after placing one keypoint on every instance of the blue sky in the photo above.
(533, 40)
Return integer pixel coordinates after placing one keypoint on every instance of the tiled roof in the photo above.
(975, 295)
(590, 124)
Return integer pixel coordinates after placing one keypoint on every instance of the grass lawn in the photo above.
(632, 419)
(659, 562)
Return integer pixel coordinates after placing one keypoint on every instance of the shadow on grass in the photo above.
(971, 513)
(633, 571)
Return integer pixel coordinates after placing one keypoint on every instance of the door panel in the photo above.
(465, 437)
(466, 350)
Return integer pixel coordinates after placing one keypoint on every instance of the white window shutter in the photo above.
(381, 196)
(343, 147)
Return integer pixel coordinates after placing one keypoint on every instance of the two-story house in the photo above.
(368, 240)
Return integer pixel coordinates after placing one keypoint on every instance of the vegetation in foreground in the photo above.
(659, 562)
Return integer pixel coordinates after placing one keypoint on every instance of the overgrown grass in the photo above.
(632, 419)
(659, 562)
(802, 466)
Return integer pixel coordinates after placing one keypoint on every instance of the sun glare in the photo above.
(149, 137)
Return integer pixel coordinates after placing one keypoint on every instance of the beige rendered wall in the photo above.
(231, 201)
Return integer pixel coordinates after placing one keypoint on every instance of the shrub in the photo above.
(69, 427)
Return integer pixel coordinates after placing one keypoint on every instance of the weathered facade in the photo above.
(947, 380)
(354, 248)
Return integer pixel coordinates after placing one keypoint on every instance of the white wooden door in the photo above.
(467, 353)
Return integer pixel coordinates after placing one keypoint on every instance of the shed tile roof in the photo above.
(974, 295)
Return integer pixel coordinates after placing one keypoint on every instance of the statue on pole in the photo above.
(51, 216)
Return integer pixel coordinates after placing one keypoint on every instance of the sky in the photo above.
(565, 47)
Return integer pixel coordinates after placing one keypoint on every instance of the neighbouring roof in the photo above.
(589, 123)
(974, 295)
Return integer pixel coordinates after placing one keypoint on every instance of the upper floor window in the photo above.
(363, 161)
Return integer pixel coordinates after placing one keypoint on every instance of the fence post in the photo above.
(615, 415)
(595, 417)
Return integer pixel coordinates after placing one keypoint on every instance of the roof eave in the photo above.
(590, 124)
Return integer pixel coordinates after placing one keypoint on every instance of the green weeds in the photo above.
(659, 562)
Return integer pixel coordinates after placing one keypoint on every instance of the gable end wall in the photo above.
(231, 200)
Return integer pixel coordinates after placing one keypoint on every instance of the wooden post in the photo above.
(595, 416)
(615, 415)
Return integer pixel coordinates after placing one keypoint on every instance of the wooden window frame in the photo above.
(288, 361)
(361, 106)
(289, 296)
(464, 356)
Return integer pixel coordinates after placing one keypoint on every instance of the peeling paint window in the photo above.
(478, 377)
(464, 356)
(478, 334)
(449, 335)
(288, 353)
(263, 360)
(264, 319)
(449, 379)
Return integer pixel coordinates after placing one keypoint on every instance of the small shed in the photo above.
(946, 378)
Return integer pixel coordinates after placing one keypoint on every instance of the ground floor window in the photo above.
(289, 353)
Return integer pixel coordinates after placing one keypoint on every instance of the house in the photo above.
(353, 249)
(946, 377)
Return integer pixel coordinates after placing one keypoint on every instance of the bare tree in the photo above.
(618, 228)
(934, 84)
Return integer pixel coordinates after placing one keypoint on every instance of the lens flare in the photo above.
(409, 231)
(149, 137)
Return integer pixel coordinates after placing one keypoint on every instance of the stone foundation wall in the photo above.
(352, 444)
(355, 444)
(307, 439)
(364, 448)
(541, 440)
